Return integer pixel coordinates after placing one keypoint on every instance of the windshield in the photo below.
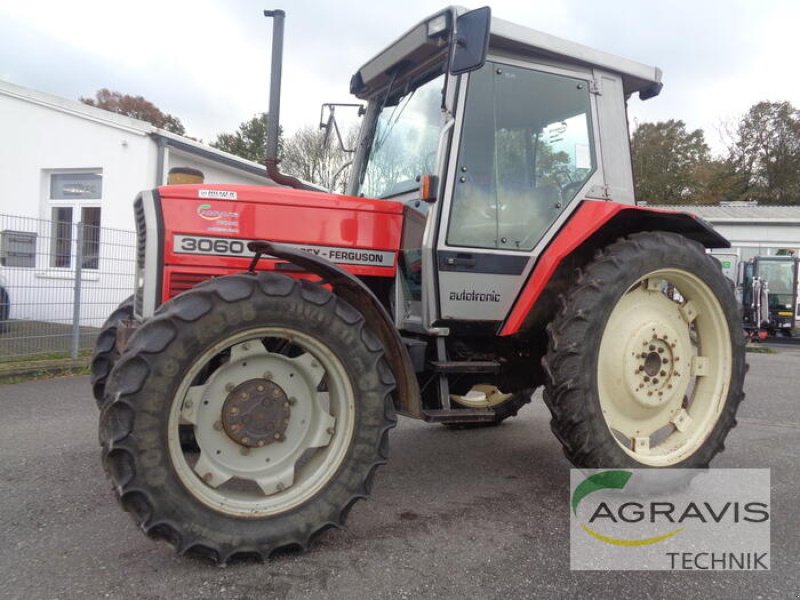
(404, 143)
(780, 280)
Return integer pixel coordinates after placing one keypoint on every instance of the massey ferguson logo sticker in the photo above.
(217, 194)
(209, 213)
(216, 246)
(474, 296)
(220, 221)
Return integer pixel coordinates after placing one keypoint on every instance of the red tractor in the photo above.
(489, 244)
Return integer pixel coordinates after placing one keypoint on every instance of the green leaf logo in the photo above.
(614, 480)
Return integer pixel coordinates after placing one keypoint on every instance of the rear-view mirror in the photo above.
(470, 41)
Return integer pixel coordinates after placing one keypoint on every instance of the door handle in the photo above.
(461, 261)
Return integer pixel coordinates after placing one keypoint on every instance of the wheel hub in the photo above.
(654, 379)
(256, 413)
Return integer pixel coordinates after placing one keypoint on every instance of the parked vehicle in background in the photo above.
(769, 294)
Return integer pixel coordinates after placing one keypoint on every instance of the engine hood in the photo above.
(205, 225)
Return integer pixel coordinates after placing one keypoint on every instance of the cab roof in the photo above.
(416, 47)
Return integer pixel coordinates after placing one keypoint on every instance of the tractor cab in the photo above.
(490, 160)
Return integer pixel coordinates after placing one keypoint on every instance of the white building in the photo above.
(63, 162)
(753, 230)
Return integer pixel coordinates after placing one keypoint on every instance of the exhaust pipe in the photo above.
(273, 121)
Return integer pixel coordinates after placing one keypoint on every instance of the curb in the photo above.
(44, 367)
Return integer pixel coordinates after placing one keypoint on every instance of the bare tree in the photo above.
(310, 157)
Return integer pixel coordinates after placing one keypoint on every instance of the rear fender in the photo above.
(406, 396)
(592, 226)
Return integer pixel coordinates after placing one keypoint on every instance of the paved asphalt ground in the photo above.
(455, 514)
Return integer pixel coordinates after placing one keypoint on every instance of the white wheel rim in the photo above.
(664, 367)
(312, 440)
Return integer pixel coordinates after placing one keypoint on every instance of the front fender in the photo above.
(407, 398)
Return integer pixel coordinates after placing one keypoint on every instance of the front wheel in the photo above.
(646, 360)
(288, 396)
(105, 349)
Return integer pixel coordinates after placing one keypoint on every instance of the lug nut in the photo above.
(292, 401)
(652, 347)
(229, 387)
(663, 373)
(664, 361)
(260, 388)
(218, 426)
(661, 351)
(268, 375)
(244, 451)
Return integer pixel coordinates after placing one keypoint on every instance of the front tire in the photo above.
(289, 397)
(646, 360)
(105, 349)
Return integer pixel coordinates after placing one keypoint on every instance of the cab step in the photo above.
(459, 415)
(465, 366)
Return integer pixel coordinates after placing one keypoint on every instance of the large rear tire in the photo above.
(646, 360)
(289, 398)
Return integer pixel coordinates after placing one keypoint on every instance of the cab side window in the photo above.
(526, 150)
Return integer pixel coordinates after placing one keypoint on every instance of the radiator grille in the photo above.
(180, 282)
(141, 245)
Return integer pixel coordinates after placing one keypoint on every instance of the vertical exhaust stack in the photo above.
(273, 122)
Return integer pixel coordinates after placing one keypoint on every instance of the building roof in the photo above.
(130, 125)
(741, 214)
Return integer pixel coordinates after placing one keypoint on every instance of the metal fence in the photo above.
(59, 280)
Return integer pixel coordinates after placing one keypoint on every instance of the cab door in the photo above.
(525, 151)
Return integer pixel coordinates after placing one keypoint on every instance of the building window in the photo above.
(74, 199)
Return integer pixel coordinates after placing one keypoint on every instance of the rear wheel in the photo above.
(646, 360)
(288, 396)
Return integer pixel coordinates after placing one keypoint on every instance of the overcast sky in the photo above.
(207, 62)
